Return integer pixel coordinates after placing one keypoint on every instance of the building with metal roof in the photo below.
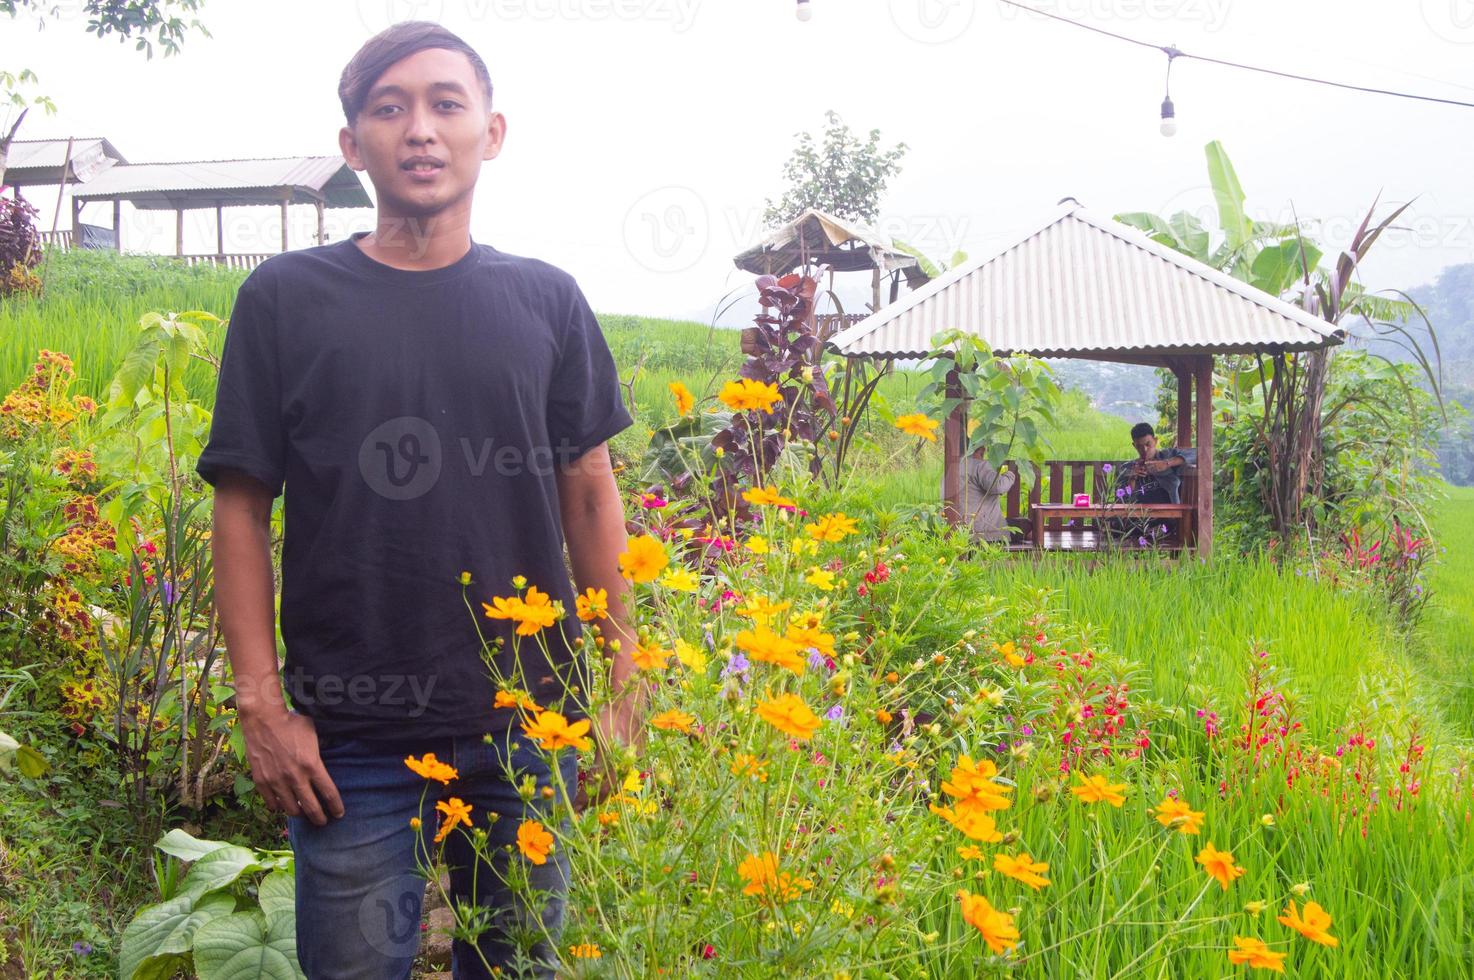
(1083, 286)
(43, 162)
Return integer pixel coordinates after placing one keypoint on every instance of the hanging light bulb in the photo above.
(1169, 118)
(805, 12)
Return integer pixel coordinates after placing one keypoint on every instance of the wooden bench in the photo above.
(1046, 519)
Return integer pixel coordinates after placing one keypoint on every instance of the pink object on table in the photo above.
(1082, 500)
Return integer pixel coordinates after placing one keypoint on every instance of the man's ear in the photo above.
(496, 134)
(348, 144)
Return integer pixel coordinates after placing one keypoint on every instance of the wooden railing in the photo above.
(237, 260)
(1061, 479)
(57, 239)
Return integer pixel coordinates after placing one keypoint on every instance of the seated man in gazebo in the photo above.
(1154, 477)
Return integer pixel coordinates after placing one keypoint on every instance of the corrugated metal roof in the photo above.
(842, 245)
(1084, 284)
(32, 162)
(201, 183)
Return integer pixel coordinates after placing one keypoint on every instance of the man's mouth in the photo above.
(421, 166)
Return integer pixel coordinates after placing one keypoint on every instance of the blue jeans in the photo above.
(360, 883)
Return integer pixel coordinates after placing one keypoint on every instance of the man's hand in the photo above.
(287, 769)
(1157, 465)
(616, 726)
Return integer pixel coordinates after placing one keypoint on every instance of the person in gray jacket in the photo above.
(982, 488)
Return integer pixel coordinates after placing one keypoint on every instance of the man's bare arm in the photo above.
(593, 525)
(281, 745)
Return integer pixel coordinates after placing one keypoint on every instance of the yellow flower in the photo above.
(789, 715)
(917, 424)
(970, 852)
(1022, 867)
(592, 605)
(809, 636)
(515, 699)
(585, 951)
(681, 580)
(465, 578)
(746, 394)
(553, 732)
(831, 527)
(1254, 908)
(749, 765)
(1254, 953)
(1299, 890)
(673, 720)
(1219, 865)
(760, 609)
(455, 813)
(1314, 925)
(1098, 789)
(766, 881)
(973, 786)
(534, 841)
(429, 767)
(996, 927)
(649, 656)
(820, 579)
(766, 497)
(1009, 652)
(685, 401)
(533, 613)
(763, 644)
(690, 657)
(1177, 814)
(644, 559)
(757, 544)
(976, 824)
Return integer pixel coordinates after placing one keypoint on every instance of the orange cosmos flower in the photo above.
(685, 401)
(749, 765)
(644, 559)
(1178, 815)
(975, 823)
(766, 497)
(592, 605)
(746, 395)
(534, 841)
(455, 812)
(429, 767)
(551, 731)
(533, 613)
(515, 699)
(1314, 925)
(649, 656)
(1022, 867)
(832, 527)
(1098, 789)
(674, 720)
(972, 785)
(763, 644)
(997, 927)
(1254, 953)
(790, 715)
(1219, 865)
(917, 424)
(765, 880)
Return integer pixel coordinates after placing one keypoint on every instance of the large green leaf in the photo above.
(1277, 266)
(157, 942)
(219, 869)
(248, 946)
(278, 893)
(1237, 228)
(180, 844)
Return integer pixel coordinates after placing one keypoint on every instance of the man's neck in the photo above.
(419, 244)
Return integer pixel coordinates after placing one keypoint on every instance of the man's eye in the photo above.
(381, 109)
(450, 102)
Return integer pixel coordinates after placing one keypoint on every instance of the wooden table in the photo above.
(1040, 513)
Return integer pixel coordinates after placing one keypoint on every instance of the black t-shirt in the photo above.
(414, 421)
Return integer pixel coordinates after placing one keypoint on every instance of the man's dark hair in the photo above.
(395, 43)
(1142, 429)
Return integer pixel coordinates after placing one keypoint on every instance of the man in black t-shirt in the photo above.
(434, 413)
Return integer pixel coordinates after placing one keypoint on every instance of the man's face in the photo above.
(1146, 446)
(423, 133)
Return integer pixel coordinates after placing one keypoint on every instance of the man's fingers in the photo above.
(326, 791)
(307, 800)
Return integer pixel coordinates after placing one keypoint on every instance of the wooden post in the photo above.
(284, 203)
(117, 225)
(321, 237)
(179, 231)
(953, 434)
(219, 228)
(1204, 520)
(1184, 407)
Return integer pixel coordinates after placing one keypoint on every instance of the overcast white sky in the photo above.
(644, 135)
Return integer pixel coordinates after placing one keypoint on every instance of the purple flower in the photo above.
(168, 589)
(816, 659)
(835, 713)
(82, 948)
(1107, 468)
(1162, 529)
(1026, 730)
(738, 664)
(1120, 493)
(1141, 542)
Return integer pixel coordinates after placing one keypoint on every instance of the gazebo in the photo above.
(319, 181)
(1085, 286)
